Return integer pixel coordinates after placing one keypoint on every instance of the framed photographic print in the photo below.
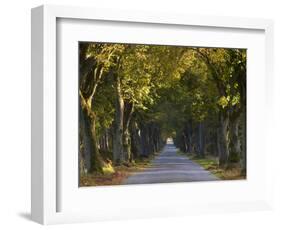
(140, 114)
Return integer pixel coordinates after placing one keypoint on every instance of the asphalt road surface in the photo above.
(170, 167)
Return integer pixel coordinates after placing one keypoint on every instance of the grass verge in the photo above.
(210, 163)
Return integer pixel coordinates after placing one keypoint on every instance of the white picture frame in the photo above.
(46, 179)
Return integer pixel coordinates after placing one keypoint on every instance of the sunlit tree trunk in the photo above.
(89, 120)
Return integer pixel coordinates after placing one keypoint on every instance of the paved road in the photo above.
(170, 167)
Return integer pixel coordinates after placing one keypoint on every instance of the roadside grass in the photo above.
(210, 163)
(116, 174)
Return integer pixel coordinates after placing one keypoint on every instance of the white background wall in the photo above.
(15, 112)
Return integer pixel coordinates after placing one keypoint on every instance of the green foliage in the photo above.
(168, 85)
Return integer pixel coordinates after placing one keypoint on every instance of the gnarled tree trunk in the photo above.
(89, 120)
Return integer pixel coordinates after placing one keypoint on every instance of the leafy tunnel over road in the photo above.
(133, 97)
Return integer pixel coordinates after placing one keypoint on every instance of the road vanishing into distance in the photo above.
(168, 167)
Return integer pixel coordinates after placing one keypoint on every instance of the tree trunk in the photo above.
(244, 150)
(129, 108)
(144, 144)
(243, 92)
(135, 140)
(189, 136)
(184, 145)
(89, 127)
(234, 145)
(118, 154)
(150, 139)
(106, 140)
(201, 139)
(155, 139)
(84, 155)
(224, 151)
(196, 141)
(218, 153)
(127, 146)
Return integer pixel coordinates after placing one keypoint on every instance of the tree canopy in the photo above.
(133, 97)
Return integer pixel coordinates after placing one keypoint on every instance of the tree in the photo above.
(94, 63)
(228, 70)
